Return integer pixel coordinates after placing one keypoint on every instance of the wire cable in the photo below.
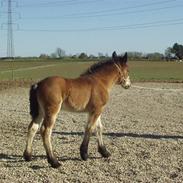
(117, 27)
(78, 16)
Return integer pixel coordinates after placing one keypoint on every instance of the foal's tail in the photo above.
(34, 106)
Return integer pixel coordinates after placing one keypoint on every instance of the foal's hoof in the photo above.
(55, 164)
(84, 156)
(84, 152)
(27, 156)
(103, 151)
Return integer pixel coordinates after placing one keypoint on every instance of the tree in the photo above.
(168, 53)
(53, 55)
(135, 55)
(155, 56)
(91, 56)
(100, 55)
(83, 55)
(177, 49)
(60, 53)
(43, 56)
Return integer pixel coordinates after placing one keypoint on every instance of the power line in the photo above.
(78, 16)
(58, 3)
(123, 13)
(118, 27)
(80, 2)
(114, 11)
(124, 8)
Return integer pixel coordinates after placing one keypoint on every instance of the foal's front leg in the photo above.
(93, 122)
(101, 147)
(88, 131)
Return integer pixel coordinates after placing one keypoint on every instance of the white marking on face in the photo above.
(127, 83)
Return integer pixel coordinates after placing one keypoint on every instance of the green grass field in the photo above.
(156, 71)
(139, 70)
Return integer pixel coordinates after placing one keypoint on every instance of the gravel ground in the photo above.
(143, 130)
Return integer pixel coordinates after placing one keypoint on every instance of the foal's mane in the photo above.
(96, 67)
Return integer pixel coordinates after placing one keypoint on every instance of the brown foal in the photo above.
(87, 93)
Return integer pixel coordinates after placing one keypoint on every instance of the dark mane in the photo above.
(96, 67)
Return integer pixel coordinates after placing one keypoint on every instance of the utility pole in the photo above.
(10, 41)
(9, 26)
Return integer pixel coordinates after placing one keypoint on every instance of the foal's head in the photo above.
(120, 63)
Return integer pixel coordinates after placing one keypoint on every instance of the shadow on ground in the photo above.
(132, 135)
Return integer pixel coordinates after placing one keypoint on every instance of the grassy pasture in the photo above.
(139, 70)
(156, 71)
(38, 70)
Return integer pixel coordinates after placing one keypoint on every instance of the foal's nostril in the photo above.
(127, 86)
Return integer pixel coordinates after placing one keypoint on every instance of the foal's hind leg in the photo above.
(101, 147)
(46, 131)
(32, 129)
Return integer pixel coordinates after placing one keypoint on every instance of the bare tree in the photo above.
(60, 53)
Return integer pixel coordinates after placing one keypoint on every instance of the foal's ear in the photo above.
(125, 58)
(114, 56)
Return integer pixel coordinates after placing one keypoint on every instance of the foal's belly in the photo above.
(73, 108)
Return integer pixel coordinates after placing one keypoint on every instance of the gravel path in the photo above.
(143, 130)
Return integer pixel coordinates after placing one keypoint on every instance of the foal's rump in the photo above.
(46, 94)
(51, 90)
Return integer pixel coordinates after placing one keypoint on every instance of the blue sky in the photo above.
(92, 26)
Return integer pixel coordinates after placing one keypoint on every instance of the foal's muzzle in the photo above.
(127, 86)
(127, 83)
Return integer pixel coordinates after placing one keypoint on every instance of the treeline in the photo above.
(173, 53)
(83, 56)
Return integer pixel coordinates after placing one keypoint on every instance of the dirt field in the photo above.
(143, 130)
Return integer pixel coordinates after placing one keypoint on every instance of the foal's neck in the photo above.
(107, 76)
